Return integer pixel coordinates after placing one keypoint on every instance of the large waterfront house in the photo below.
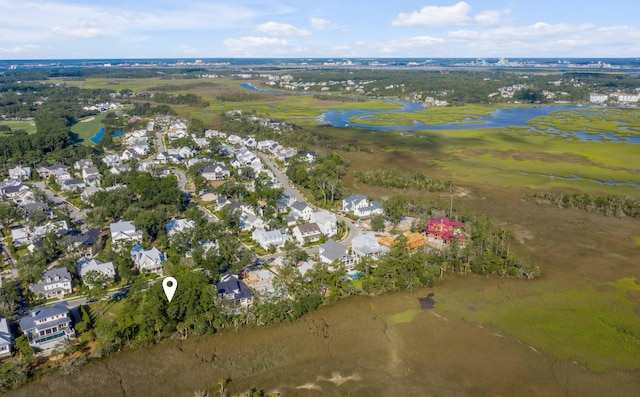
(48, 326)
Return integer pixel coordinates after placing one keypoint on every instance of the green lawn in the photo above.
(29, 126)
(597, 326)
(87, 127)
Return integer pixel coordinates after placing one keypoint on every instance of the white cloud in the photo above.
(84, 32)
(319, 23)
(281, 29)
(432, 16)
(252, 46)
(543, 39)
(187, 49)
(20, 48)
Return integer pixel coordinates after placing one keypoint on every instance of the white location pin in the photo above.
(169, 284)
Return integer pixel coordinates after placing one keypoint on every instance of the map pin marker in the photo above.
(169, 285)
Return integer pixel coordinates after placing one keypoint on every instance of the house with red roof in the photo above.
(444, 231)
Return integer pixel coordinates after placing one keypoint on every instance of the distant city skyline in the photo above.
(73, 29)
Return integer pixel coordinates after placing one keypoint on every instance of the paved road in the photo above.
(76, 214)
(291, 191)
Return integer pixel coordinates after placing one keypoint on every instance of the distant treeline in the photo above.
(403, 180)
(241, 97)
(181, 99)
(342, 98)
(611, 205)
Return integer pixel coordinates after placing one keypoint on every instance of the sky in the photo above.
(78, 29)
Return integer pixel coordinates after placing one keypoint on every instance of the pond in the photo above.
(98, 136)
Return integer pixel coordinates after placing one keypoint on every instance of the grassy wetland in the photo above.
(575, 331)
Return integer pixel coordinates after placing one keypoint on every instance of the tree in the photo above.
(395, 207)
(9, 213)
(377, 222)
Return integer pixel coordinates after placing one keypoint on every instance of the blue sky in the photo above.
(48, 29)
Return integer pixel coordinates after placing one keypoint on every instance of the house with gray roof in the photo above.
(178, 225)
(332, 250)
(366, 245)
(6, 338)
(48, 326)
(54, 283)
(232, 288)
(301, 210)
(216, 172)
(72, 185)
(20, 172)
(360, 206)
(307, 233)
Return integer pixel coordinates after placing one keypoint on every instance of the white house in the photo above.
(216, 172)
(234, 139)
(301, 210)
(149, 261)
(81, 164)
(6, 338)
(112, 160)
(22, 173)
(54, 283)
(307, 233)
(366, 245)
(327, 222)
(360, 206)
(86, 265)
(123, 231)
(268, 238)
(72, 185)
(179, 225)
(249, 221)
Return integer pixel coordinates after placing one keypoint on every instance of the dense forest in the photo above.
(610, 204)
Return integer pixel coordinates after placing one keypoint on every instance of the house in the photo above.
(221, 201)
(308, 156)
(232, 288)
(234, 139)
(54, 283)
(6, 338)
(243, 207)
(307, 233)
(89, 243)
(214, 134)
(201, 142)
(13, 191)
(24, 197)
(216, 172)
(82, 164)
(48, 326)
(179, 225)
(19, 172)
(60, 228)
(86, 266)
(91, 176)
(72, 185)
(187, 152)
(20, 236)
(331, 251)
(112, 160)
(360, 206)
(290, 220)
(301, 210)
(88, 192)
(249, 222)
(366, 245)
(37, 206)
(55, 170)
(119, 169)
(130, 154)
(123, 231)
(265, 145)
(326, 221)
(149, 261)
(199, 159)
(285, 203)
(444, 231)
(266, 239)
(248, 141)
